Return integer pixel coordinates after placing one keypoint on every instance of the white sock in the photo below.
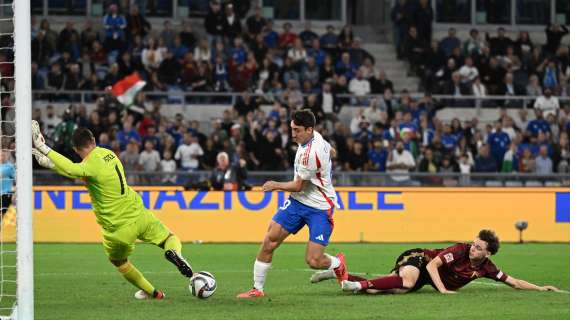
(335, 262)
(259, 273)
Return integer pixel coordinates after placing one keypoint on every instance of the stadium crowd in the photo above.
(305, 70)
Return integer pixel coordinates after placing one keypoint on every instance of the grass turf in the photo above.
(75, 281)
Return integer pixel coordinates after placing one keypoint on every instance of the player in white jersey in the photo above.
(312, 202)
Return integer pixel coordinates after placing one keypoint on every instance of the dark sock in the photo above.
(383, 283)
(352, 277)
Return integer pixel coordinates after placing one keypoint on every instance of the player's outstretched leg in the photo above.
(329, 275)
(173, 253)
(136, 278)
(402, 282)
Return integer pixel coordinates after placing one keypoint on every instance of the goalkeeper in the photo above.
(118, 209)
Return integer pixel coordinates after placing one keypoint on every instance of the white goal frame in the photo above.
(23, 94)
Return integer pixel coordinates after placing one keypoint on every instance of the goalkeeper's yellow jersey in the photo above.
(114, 202)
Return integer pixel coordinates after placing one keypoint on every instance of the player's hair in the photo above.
(82, 137)
(304, 118)
(492, 240)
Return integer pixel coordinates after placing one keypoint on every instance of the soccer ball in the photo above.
(203, 285)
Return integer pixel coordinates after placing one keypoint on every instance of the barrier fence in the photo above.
(64, 214)
(192, 180)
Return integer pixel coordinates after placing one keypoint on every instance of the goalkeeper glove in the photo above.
(42, 159)
(38, 139)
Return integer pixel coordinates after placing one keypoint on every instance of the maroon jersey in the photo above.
(457, 271)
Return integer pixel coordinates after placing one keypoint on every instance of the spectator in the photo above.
(527, 163)
(187, 36)
(423, 17)
(8, 173)
(232, 23)
(359, 55)
(400, 162)
(543, 162)
(329, 40)
(215, 22)
(484, 161)
(554, 35)
(547, 104)
(130, 159)
(229, 177)
(316, 52)
(66, 35)
(287, 38)
(538, 125)
(379, 83)
(188, 153)
(498, 141)
(167, 168)
(307, 36)
(400, 15)
(449, 43)
(377, 157)
(167, 34)
(533, 88)
(127, 135)
(246, 104)
(500, 43)
(415, 50)
(270, 36)
(561, 154)
(149, 161)
(468, 71)
(115, 24)
(360, 87)
(137, 25)
(255, 23)
(345, 38)
(50, 121)
(474, 45)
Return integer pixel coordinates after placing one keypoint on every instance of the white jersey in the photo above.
(313, 162)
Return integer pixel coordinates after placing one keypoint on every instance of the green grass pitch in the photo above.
(75, 281)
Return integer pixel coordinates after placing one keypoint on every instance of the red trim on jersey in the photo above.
(319, 167)
(322, 183)
(307, 154)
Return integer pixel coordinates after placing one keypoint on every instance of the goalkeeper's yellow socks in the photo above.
(134, 276)
(173, 243)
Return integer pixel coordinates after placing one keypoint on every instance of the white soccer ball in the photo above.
(203, 285)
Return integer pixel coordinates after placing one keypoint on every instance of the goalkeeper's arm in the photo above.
(66, 167)
(45, 162)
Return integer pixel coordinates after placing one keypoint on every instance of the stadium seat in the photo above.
(493, 183)
(513, 184)
(553, 184)
(533, 183)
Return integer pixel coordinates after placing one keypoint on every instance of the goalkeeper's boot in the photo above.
(322, 276)
(156, 295)
(253, 293)
(341, 272)
(180, 263)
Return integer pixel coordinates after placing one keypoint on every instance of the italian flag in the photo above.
(126, 89)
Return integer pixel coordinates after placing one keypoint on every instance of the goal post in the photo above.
(23, 102)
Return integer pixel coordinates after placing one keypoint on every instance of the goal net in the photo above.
(16, 279)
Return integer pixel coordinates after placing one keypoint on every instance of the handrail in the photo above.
(239, 94)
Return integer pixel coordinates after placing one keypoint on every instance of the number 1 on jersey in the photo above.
(120, 179)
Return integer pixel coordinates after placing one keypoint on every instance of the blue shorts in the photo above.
(294, 215)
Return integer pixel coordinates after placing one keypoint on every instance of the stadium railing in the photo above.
(184, 99)
(192, 180)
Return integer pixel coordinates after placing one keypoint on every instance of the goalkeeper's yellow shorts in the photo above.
(120, 243)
